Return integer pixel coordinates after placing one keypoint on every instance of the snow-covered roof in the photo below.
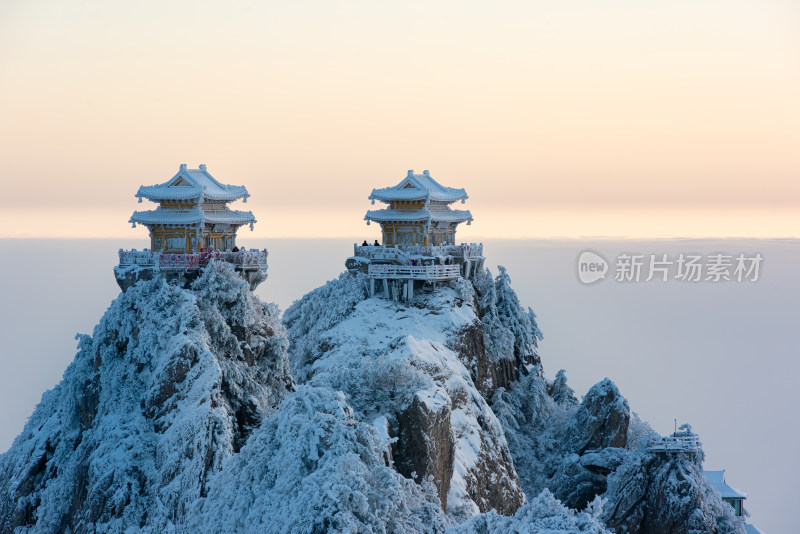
(192, 184)
(192, 216)
(230, 217)
(424, 214)
(418, 187)
(717, 479)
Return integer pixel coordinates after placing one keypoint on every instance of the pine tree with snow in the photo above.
(526, 332)
(537, 333)
(561, 392)
(499, 339)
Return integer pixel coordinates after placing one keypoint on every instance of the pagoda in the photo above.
(193, 213)
(419, 212)
(191, 226)
(418, 247)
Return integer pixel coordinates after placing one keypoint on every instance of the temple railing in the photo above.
(379, 252)
(467, 251)
(675, 444)
(164, 261)
(414, 272)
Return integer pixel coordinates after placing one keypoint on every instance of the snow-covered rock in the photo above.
(559, 445)
(660, 493)
(404, 363)
(171, 383)
(601, 420)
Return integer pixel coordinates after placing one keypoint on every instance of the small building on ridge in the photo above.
(418, 247)
(418, 212)
(193, 213)
(192, 226)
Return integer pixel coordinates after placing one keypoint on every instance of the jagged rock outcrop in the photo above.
(425, 444)
(171, 383)
(487, 374)
(596, 436)
(666, 493)
(579, 479)
(561, 446)
(602, 419)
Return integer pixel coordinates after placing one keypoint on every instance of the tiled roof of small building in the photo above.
(717, 479)
(191, 184)
(418, 187)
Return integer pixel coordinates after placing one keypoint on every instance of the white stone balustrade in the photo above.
(414, 272)
(673, 443)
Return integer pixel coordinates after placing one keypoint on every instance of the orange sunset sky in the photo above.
(560, 118)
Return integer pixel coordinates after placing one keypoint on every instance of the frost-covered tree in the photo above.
(537, 333)
(315, 468)
(561, 392)
(544, 514)
(640, 433)
(498, 339)
(522, 323)
(533, 424)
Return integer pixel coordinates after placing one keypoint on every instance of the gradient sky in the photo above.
(568, 118)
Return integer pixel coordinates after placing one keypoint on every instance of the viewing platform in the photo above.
(417, 262)
(164, 261)
(415, 272)
(464, 251)
(683, 440)
(136, 265)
